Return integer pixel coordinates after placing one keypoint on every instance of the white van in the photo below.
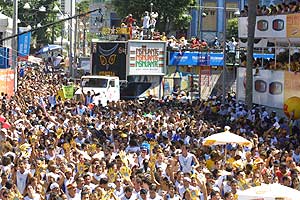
(108, 88)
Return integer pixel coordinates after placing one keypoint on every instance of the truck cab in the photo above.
(106, 88)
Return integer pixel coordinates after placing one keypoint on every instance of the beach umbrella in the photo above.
(269, 192)
(225, 138)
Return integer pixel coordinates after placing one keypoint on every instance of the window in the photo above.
(112, 83)
(278, 24)
(262, 25)
(94, 82)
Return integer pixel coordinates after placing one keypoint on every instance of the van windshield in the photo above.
(94, 82)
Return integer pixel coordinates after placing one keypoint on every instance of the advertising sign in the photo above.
(7, 81)
(146, 57)
(205, 76)
(216, 59)
(109, 59)
(274, 26)
(268, 87)
(293, 29)
(3, 57)
(24, 44)
(68, 91)
(189, 58)
(291, 84)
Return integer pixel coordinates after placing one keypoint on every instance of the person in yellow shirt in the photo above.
(242, 182)
(163, 37)
(210, 163)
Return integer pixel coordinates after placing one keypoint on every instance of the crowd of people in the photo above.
(53, 148)
(282, 8)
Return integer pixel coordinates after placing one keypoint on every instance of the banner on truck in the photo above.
(146, 58)
(268, 87)
(109, 59)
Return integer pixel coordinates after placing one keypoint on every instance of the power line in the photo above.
(50, 24)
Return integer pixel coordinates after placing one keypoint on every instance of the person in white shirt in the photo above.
(119, 191)
(31, 194)
(187, 160)
(143, 156)
(152, 193)
(146, 25)
(72, 193)
(296, 155)
(185, 186)
(171, 195)
(57, 61)
(21, 176)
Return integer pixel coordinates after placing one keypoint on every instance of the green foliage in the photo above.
(6, 7)
(169, 11)
(83, 6)
(32, 17)
(232, 28)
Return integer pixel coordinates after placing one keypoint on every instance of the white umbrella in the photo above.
(269, 192)
(226, 138)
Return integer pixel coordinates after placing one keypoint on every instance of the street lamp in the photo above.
(28, 7)
(151, 6)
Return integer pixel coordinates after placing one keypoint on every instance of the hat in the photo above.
(54, 185)
(71, 185)
(123, 135)
(258, 161)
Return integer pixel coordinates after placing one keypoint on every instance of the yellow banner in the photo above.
(115, 31)
(68, 91)
(293, 25)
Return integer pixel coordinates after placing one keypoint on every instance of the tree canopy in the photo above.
(170, 12)
(33, 16)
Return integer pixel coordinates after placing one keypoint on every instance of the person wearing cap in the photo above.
(54, 190)
(143, 156)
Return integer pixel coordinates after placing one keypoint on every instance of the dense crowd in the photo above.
(279, 9)
(54, 148)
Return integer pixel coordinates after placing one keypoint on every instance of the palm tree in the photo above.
(251, 31)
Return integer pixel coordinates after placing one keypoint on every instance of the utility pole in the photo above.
(251, 34)
(14, 44)
(71, 39)
(224, 56)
